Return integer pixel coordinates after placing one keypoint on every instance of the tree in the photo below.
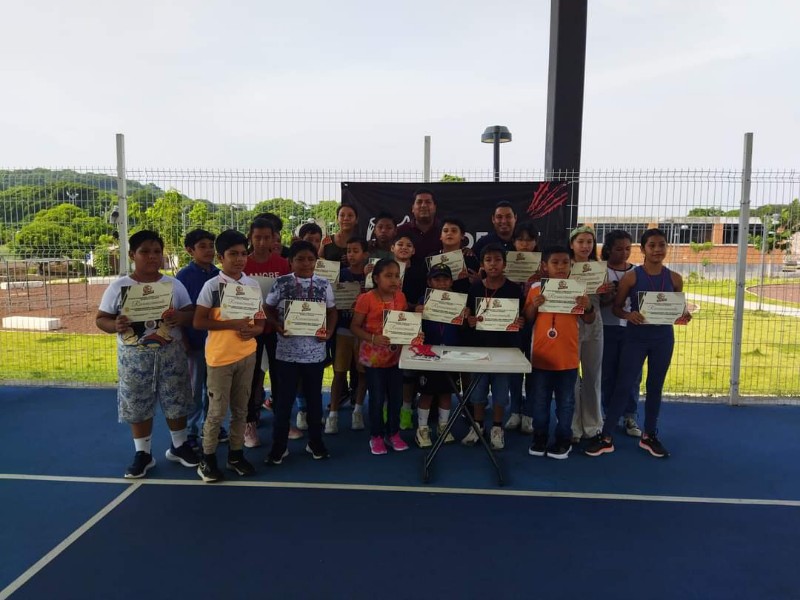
(712, 211)
(447, 178)
(62, 231)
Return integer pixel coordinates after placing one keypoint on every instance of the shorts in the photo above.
(346, 354)
(148, 375)
(434, 383)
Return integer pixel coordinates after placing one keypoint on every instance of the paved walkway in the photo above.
(783, 311)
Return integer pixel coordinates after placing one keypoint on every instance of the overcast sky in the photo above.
(358, 84)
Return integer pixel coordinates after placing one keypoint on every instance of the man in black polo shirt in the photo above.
(504, 219)
(424, 229)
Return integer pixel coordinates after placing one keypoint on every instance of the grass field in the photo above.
(726, 288)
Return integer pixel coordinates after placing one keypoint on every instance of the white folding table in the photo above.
(505, 361)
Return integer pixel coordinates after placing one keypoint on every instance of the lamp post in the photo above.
(774, 220)
(496, 135)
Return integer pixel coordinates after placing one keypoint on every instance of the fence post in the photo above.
(426, 173)
(741, 270)
(122, 194)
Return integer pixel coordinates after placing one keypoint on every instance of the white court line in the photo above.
(300, 485)
(66, 543)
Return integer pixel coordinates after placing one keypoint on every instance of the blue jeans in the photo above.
(613, 341)
(522, 404)
(500, 385)
(654, 343)
(542, 385)
(384, 383)
(311, 376)
(197, 375)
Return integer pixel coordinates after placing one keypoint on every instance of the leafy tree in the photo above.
(64, 230)
(447, 178)
(706, 212)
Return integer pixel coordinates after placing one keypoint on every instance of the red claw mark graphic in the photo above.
(547, 198)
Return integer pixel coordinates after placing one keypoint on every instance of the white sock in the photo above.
(357, 409)
(422, 416)
(143, 444)
(333, 413)
(406, 405)
(444, 416)
(178, 437)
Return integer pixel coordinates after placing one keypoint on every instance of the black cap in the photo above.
(440, 270)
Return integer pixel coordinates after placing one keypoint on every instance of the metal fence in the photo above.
(57, 248)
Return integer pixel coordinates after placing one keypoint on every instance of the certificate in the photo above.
(559, 296)
(593, 273)
(265, 283)
(454, 260)
(146, 301)
(401, 326)
(662, 308)
(444, 306)
(520, 266)
(497, 314)
(369, 284)
(346, 294)
(240, 302)
(329, 269)
(303, 317)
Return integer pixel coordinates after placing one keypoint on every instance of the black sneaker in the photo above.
(184, 455)
(559, 450)
(653, 446)
(142, 463)
(194, 444)
(539, 446)
(223, 435)
(238, 463)
(276, 460)
(208, 470)
(598, 446)
(319, 453)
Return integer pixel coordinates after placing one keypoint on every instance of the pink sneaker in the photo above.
(251, 436)
(396, 443)
(376, 445)
(294, 433)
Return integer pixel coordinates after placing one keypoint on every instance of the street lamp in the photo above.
(496, 135)
(775, 219)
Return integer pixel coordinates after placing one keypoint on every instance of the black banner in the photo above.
(545, 203)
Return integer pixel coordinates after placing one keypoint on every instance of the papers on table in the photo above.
(329, 269)
(401, 326)
(369, 284)
(662, 308)
(454, 260)
(560, 295)
(265, 283)
(497, 314)
(592, 273)
(346, 294)
(238, 301)
(444, 306)
(468, 356)
(146, 301)
(303, 317)
(520, 266)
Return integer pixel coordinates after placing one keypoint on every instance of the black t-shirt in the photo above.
(415, 280)
(494, 339)
(462, 285)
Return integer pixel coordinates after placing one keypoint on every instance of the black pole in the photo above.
(496, 145)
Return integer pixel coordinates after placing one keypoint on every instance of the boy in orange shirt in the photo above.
(554, 356)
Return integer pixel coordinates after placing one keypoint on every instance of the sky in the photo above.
(354, 84)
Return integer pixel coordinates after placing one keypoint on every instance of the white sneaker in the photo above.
(440, 430)
(423, 437)
(472, 437)
(302, 422)
(632, 427)
(527, 425)
(513, 422)
(357, 423)
(332, 424)
(251, 436)
(498, 438)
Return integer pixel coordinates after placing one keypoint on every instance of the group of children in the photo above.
(201, 368)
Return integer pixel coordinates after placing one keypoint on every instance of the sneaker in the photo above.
(223, 435)
(405, 419)
(598, 446)
(498, 438)
(513, 422)
(440, 430)
(319, 453)
(527, 425)
(423, 437)
(294, 433)
(632, 427)
(302, 420)
(472, 436)
(559, 450)
(238, 463)
(142, 463)
(194, 444)
(397, 443)
(357, 423)
(377, 445)
(208, 470)
(251, 436)
(184, 455)
(267, 405)
(653, 446)
(539, 446)
(332, 424)
(272, 460)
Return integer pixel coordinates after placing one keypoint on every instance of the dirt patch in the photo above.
(75, 303)
(785, 292)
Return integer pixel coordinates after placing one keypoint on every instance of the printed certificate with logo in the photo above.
(401, 326)
(454, 260)
(369, 284)
(240, 302)
(593, 273)
(496, 314)
(146, 301)
(329, 269)
(662, 308)
(560, 294)
(443, 306)
(346, 294)
(303, 317)
(520, 266)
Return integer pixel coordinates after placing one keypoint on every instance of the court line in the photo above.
(410, 489)
(67, 542)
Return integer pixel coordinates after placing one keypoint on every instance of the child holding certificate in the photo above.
(379, 357)
(230, 351)
(346, 354)
(302, 309)
(452, 238)
(151, 360)
(555, 359)
(651, 342)
(494, 287)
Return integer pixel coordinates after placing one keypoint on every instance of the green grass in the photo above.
(726, 288)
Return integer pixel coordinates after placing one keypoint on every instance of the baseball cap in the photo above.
(579, 230)
(440, 270)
